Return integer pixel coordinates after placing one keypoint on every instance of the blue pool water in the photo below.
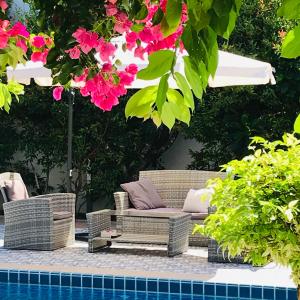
(13, 291)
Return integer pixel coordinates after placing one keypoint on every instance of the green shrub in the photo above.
(258, 205)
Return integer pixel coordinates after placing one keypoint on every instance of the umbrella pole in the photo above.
(71, 97)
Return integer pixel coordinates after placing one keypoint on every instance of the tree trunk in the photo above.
(298, 292)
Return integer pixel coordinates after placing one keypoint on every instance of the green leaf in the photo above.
(290, 9)
(193, 77)
(137, 27)
(3, 61)
(15, 88)
(5, 96)
(173, 14)
(157, 17)
(140, 104)
(160, 62)
(162, 92)
(186, 90)
(291, 44)
(142, 14)
(199, 18)
(176, 103)
(222, 7)
(156, 118)
(167, 115)
(297, 125)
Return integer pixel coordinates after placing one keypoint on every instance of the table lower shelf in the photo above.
(138, 238)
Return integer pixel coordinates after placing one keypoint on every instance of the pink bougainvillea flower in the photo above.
(146, 35)
(74, 52)
(4, 24)
(131, 69)
(126, 78)
(3, 38)
(19, 29)
(86, 39)
(112, 1)
(106, 68)
(131, 38)
(105, 50)
(83, 76)
(57, 93)
(111, 10)
(38, 41)
(122, 23)
(40, 56)
(49, 41)
(3, 5)
(139, 52)
(22, 44)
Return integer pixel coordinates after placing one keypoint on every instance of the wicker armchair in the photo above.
(172, 186)
(45, 222)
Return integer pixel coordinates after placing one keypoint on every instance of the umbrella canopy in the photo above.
(232, 70)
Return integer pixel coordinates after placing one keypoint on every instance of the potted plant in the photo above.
(258, 205)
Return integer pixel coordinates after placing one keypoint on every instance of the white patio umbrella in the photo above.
(232, 70)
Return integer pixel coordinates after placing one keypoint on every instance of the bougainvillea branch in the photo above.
(16, 44)
(159, 30)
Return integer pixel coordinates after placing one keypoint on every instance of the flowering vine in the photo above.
(16, 43)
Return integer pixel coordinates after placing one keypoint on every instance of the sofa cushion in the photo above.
(194, 216)
(198, 201)
(61, 215)
(143, 194)
(15, 189)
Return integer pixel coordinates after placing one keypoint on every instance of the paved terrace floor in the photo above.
(141, 260)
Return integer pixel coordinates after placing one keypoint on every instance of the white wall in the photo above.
(178, 157)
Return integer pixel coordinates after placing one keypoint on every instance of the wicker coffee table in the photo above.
(133, 230)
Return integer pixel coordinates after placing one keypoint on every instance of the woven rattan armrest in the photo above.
(98, 221)
(121, 200)
(61, 201)
(27, 211)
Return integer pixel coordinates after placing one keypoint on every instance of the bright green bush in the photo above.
(258, 205)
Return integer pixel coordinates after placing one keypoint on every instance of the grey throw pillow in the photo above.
(143, 194)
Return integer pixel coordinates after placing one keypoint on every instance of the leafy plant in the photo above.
(290, 9)
(258, 205)
(228, 117)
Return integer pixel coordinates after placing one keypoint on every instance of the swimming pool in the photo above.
(35, 285)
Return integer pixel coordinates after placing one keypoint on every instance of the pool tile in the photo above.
(65, 279)
(232, 290)
(175, 287)
(44, 278)
(76, 280)
(256, 292)
(292, 294)
(86, 281)
(163, 286)
(24, 277)
(3, 276)
(130, 284)
(268, 293)
(55, 278)
(34, 277)
(119, 283)
(108, 282)
(280, 293)
(244, 291)
(198, 288)
(98, 282)
(13, 276)
(151, 285)
(209, 289)
(220, 290)
(186, 287)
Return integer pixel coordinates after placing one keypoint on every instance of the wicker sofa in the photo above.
(45, 222)
(172, 186)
